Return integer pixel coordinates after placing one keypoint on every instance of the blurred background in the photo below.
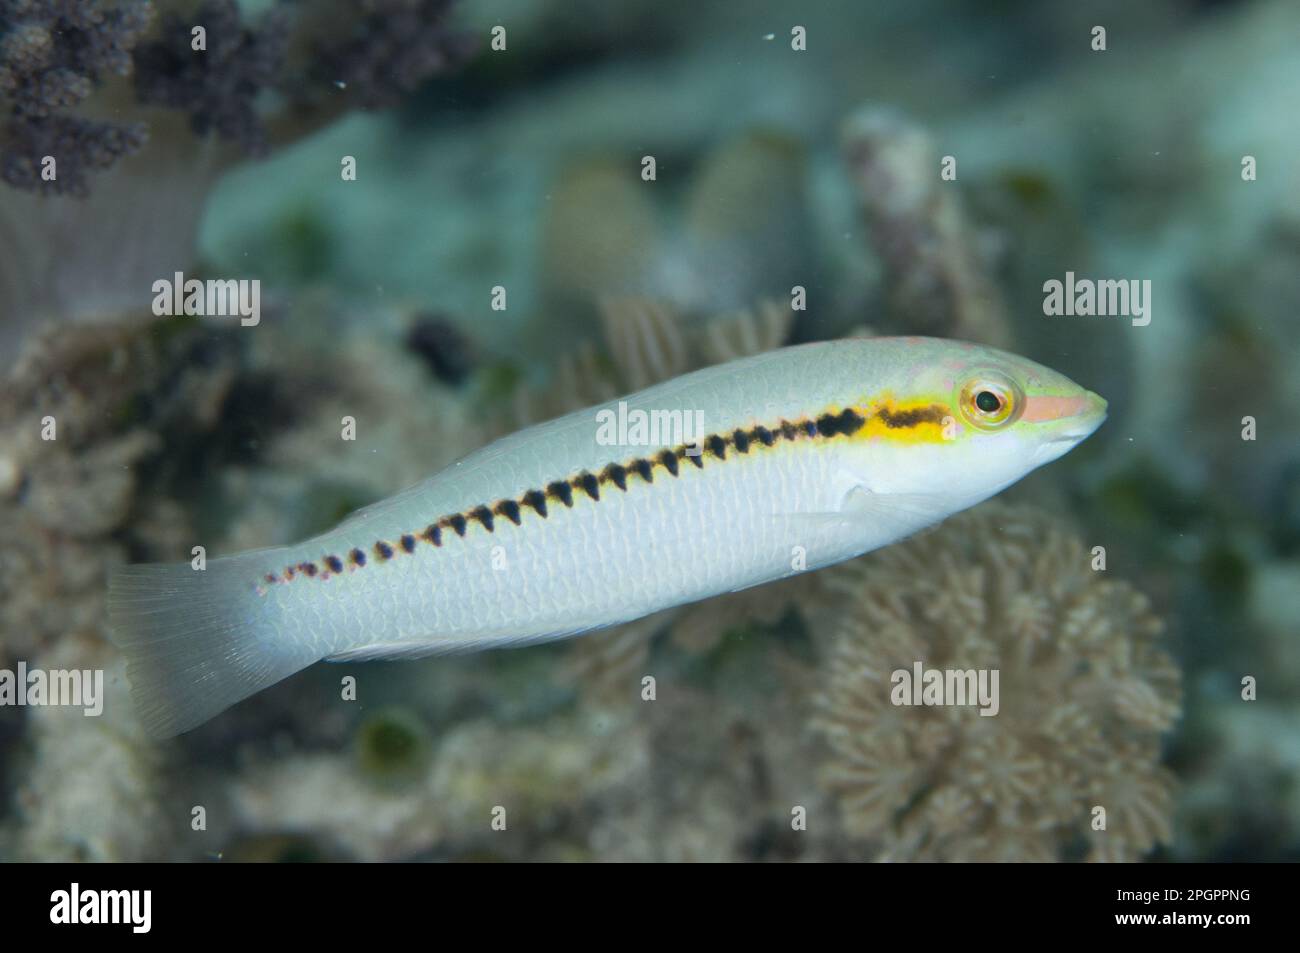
(501, 144)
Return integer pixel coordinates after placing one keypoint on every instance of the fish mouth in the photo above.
(1082, 415)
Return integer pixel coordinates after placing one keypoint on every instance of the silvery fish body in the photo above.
(716, 481)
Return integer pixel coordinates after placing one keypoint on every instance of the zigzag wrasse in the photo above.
(811, 455)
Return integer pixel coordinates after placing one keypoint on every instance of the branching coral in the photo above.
(218, 87)
(394, 46)
(52, 57)
(55, 55)
(81, 146)
(1085, 690)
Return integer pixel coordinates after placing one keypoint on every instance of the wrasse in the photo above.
(811, 455)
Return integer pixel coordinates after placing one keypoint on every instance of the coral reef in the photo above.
(55, 56)
(1086, 693)
(115, 440)
(702, 772)
(523, 170)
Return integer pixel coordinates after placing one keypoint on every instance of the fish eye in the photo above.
(990, 401)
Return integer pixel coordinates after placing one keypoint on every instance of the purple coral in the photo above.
(395, 46)
(53, 55)
(79, 145)
(219, 85)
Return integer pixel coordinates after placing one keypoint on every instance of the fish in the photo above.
(803, 457)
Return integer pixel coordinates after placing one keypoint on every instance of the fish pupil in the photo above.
(988, 402)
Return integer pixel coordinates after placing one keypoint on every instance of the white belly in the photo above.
(727, 525)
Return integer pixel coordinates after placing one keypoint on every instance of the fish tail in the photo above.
(197, 641)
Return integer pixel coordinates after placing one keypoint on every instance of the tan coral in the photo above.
(1085, 693)
(94, 791)
(72, 457)
(609, 665)
(701, 626)
(643, 342)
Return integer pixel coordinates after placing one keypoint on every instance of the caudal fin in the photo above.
(196, 641)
